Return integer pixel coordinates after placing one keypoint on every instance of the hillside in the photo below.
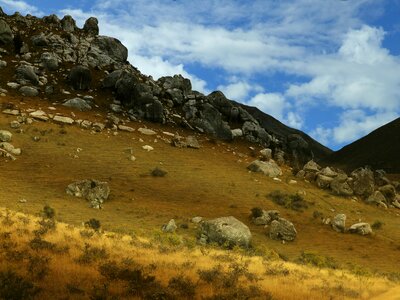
(380, 149)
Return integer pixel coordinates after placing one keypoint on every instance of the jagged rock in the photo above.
(340, 187)
(377, 198)
(227, 231)
(266, 217)
(170, 227)
(6, 35)
(219, 101)
(388, 191)
(269, 168)
(91, 26)
(279, 157)
(63, 120)
(323, 182)
(266, 154)
(301, 174)
(5, 136)
(176, 82)
(133, 93)
(39, 40)
(282, 229)
(254, 133)
(80, 78)
(188, 142)
(328, 172)
(339, 223)
(155, 112)
(49, 61)
(12, 112)
(361, 228)
(27, 73)
(29, 91)
(78, 103)
(176, 95)
(311, 166)
(363, 183)
(96, 192)
(380, 178)
(110, 47)
(52, 19)
(10, 148)
(68, 23)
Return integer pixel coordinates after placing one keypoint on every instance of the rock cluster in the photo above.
(94, 191)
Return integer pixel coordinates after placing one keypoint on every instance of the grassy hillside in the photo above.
(210, 182)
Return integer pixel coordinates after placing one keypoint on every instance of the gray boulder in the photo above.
(29, 91)
(340, 186)
(49, 61)
(80, 78)
(27, 73)
(78, 103)
(52, 20)
(91, 26)
(363, 182)
(377, 198)
(311, 166)
(68, 23)
(111, 79)
(266, 154)
(268, 168)
(5, 136)
(328, 172)
(39, 40)
(339, 223)
(282, 229)
(96, 192)
(155, 112)
(176, 82)
(266, 217)
(170, 227)
(361, 228)
(6, 35)
(111, 47)
(227, 231)
(323, 181)
(254, 133)
(388, 191)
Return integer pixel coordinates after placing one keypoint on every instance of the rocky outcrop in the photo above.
(78, 103)
(363, 183)
(94, 191)
(226, 231)
(268, 168)
(91, 26)
(6, 35)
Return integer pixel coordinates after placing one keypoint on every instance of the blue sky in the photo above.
(328, 67)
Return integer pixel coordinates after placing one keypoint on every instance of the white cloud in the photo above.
(273, 104)
(239, 90)
(20, 6)
(321, 134)
(294, 120)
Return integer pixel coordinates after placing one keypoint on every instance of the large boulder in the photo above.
(169, 227)
(268, 168)
(361, 228)
(176, 82)
(29, 91)
(68, 23)
(323, 181)
(111, 79)
(49, 61)
(155, 112)
(340, 186)
(91, 26)
(26, 73)
(112, 48)
(6, 35)
(388, 191)
(363, 182)
(94, 191)
(80, 78)
(254, 133)
(311, 166)
(5, 136)
(227, 231)
(339, 223)
(39, 40)
(377, 198)
(282, 229)
(78, 103)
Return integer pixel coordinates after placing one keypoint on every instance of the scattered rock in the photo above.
(361, 228)
(197, 220)
(311, 166)
(6, 36)
(377, 198)
(146, 131)
(158, 172)
(340, 186)
(29, 91)
(63, 120)
(10, 148)
(266, 217)
(147, 148)
(5, 136)
(170, 227)
(339, 223)
(323, 181)
(126, 128)
(15, 124)
(269, 168)
(78, 103)
(98, 127)
(39, 115)
(282, 229)
(12, 112)
(227, 231)
(266, 154)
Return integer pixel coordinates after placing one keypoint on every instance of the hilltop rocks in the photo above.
(96, 192)
(226, 231)
(361, 229)
(5, 136)
(91, 26)
(363, 182)
(80, 78)
(111, 48)
(282, 229)
(6, 36)
(68, 23)
(269, 168)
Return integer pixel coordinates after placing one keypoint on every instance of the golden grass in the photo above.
(165, 259)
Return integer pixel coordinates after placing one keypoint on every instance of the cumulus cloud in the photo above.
(239, 90)
(273, 104)
(20, 6)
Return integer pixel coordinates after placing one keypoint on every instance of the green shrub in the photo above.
(93, 224)
(294, 201)
(157, 172)
(377, 225)
(320, 261)
(182, 286)
(256, 212)
(15, 287)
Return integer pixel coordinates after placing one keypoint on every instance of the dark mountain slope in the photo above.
(380, 149)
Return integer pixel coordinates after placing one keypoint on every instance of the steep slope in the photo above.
(380, 149)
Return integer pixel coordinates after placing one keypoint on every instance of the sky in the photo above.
(330, 68)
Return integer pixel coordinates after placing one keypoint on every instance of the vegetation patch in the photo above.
(290, 201)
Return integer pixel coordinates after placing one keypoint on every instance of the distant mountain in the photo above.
(380, 149)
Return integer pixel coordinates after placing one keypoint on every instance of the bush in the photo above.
(182, 286)
(320, 261)
(14, 287)
(256, 212)
(48, 212)
(157, 172)
(377, 225)
(294, 201)
(91, 254)
(93, 223)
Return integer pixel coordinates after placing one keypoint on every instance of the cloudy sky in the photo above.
(328, 67)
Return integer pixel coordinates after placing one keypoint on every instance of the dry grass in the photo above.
(111, 265)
